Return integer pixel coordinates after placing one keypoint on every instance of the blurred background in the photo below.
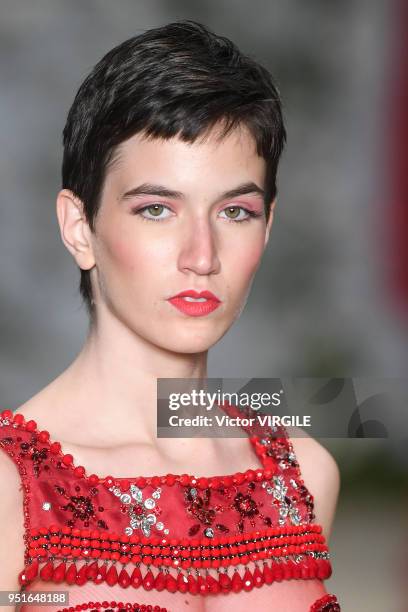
(331, 296)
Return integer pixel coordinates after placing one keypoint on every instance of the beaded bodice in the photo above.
(173, 532)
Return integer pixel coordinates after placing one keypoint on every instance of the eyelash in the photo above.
(251, 213)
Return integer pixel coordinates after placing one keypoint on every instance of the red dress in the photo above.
(202, 536)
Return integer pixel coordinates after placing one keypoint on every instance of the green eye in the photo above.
(155, 208)
(235, 209)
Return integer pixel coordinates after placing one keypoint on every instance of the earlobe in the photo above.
(74, 228)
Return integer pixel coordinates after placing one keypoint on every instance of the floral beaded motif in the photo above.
(117, 530)
(143, 513)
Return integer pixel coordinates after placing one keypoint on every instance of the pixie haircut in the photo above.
(177, 80)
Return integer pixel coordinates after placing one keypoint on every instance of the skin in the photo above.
(135, 266)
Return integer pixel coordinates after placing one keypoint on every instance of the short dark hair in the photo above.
(179, 79)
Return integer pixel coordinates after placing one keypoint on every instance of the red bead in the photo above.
(47, 571)
(67, 459)
(249, 475)
(258, 578)
(238, 479)
(192, 585)
(111, 576)
(171, 583)
(213, 584)
(18, 418)
(160, 581)
(93, 479)
(170, 480)
(202, 483)
(124, 485)
(214, 482)
(43, 436)
(71, 574)
(248, 581)
(7, 414)
(79, 471)
(59, 573)
(225, 583)
(184, 480)
(236, 582)
(108, 482)
(136, 578)
(182, 583)
(268, 574)
(31, 425)
(101, 575)
(81, 575)
(55, 448)
(148, 581)
(92, 571)
(124, 579)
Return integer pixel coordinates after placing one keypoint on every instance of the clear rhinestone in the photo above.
(156, 494)
(159, 526)
(149, 503)
(125, 498)
(146, 529)
(166, 531)
(134, 523)
(136, 493)
(269, 490)
(193, 492)
(117, 492)
(151, 519)
(209, 533)
(128, 531)
(47, 506)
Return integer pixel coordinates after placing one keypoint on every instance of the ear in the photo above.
(74, 228)
(269, 222)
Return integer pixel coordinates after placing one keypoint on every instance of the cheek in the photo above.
(130, 255)
(246, 261)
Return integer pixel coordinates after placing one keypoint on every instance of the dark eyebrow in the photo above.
(164, 192)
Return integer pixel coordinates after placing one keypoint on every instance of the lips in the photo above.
(195, 294)
(207, 303)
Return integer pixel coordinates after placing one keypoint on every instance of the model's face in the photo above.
(197, 238)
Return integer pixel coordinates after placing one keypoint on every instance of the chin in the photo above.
(188, 341)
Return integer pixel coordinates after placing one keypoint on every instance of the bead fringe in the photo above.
(195, 584)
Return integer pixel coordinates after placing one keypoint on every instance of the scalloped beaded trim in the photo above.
(268, 469)
(194, 582)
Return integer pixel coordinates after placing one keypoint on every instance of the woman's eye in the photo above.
(233, 213)
(154, 211)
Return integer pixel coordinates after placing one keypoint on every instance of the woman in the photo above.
(171, 150)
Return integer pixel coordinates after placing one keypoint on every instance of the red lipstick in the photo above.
(207, 302)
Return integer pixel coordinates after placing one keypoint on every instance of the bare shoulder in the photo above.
(320, 473)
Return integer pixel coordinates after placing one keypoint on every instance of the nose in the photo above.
(198, 253)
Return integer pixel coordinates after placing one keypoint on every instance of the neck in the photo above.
(111, 386)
